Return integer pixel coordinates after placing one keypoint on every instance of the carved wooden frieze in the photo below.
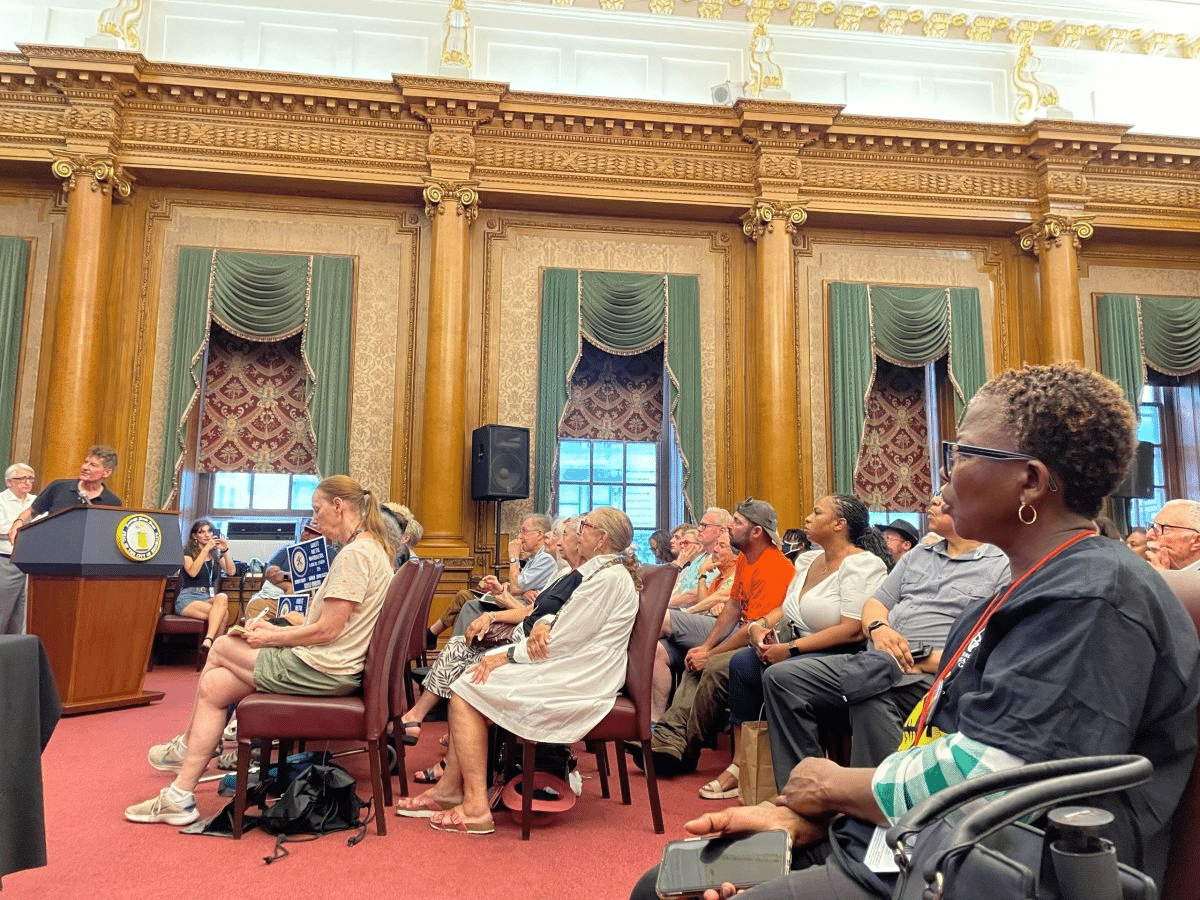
(603, 152)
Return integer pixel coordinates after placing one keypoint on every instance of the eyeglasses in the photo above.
(952, 451)
(704, 525)
(586, 524)
(689, 543)
(1160, 527)
(532, 531)
(28, 478)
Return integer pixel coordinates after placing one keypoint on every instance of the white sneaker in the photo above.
(230, 732)
(160, 809)
(168, 757)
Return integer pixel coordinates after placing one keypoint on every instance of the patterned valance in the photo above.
(894, 471)
(615, 398)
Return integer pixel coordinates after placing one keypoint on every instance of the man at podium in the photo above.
(87, 489)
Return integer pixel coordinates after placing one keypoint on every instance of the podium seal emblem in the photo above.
(138, 537)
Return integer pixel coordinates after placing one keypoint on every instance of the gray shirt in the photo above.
(928, 588)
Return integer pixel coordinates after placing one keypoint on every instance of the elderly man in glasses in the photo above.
(1175, 536)
(14, 500)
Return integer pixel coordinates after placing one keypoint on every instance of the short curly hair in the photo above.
(1075, 421)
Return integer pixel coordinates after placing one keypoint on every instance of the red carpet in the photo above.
(95, 766)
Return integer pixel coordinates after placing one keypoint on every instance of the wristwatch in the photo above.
(512, 653)
(876, 624)
(793, 650)
(513, 559)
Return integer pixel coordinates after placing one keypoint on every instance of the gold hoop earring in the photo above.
(1021, 513)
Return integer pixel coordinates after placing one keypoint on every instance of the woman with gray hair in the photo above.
(552, 688)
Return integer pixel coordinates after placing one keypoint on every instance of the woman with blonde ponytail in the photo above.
(552, 688)
(322, 657)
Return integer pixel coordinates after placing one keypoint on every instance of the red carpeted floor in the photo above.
(95, 765)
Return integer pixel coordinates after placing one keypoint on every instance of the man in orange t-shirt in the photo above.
(761, 580)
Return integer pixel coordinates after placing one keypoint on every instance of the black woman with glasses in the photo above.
(1086, 651)
(1174, 537)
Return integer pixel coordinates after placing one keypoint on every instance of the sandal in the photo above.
(452, 820)
(410, 739)
(421, 807)
(714, 791)
(432, 775)
(444, 741)
(206, 645)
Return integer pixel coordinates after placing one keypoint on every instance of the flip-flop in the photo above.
(407, 806)
(714, 791)
(444, 740)
(432, 775)
(410, 739)
(452, 821)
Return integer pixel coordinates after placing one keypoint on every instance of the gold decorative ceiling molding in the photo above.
(173, 124)
(912, 21)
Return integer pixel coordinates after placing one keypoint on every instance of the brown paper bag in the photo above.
(756, 780)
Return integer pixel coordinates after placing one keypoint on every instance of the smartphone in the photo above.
(921, 651)
(690, 867)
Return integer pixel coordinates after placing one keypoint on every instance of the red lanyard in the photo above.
(995, 603)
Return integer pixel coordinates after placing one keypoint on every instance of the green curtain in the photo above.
(908, 326)
(968, 362)
(263, 297)
(560, 346)
(687, 395)
(1121, 343)
(622, 314)
(1171, 334)
(327, 348)
(14, 273)
(851, 371)
(260, 296)
(189, 340)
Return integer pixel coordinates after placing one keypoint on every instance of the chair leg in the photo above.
(652, 787)
(401, 765)
(600, 749)
(241, 786)
(623, 774)
(377, 791)
(527, 761)
(381, 750)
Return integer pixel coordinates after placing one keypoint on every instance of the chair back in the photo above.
(1183, 869)
(416, 640)
(419, 599)
(657, 584)
(385, 639)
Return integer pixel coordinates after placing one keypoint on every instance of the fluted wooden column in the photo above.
(440, 491)
(778, 416)
(75, 376)
(1058, 330)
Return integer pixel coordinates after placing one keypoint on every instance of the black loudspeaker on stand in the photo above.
(499, 463)
(499, 469)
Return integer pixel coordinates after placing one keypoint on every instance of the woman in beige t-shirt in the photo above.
(324, 656)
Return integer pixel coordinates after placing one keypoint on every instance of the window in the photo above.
(259, 496)
(1153, 408)
(622, 474)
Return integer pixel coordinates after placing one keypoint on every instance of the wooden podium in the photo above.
(96, 577)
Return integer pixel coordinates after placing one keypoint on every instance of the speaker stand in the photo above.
(498, 566)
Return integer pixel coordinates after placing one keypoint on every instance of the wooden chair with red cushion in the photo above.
(359, 717)
(629, 719)
(170, 624)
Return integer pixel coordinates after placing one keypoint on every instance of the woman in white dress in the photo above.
(553, 688)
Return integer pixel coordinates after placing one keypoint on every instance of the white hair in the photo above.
(15, 468)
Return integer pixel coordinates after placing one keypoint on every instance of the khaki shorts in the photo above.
(278, 670)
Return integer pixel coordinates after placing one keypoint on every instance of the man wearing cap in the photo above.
(900, 537)
(761, 578)
(914, 606)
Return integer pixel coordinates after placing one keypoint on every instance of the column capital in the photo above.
(105, 173)
(761, 217)
(1050, 231)
(465, 194)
